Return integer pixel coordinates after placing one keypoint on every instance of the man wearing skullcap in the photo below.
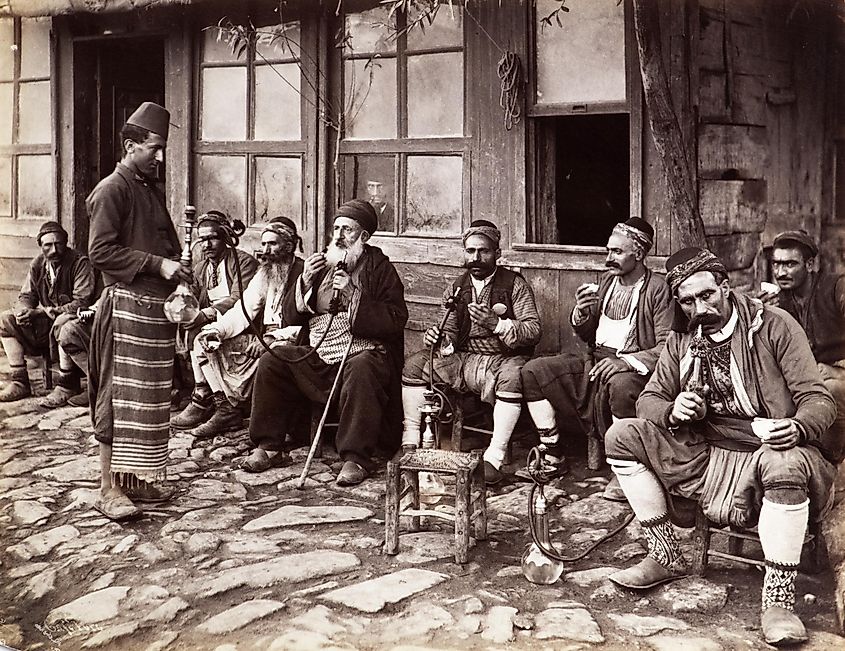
(359, 307)
(133, 243)
(732, 418)
(486, 339)
(59, 281)
(817, 301)
(225, 353)
(216, 277)
(624, 320)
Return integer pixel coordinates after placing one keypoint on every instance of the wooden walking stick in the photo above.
(319, 432)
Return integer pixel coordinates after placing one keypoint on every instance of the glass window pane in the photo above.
(6, 114)
(217, 46)
(5, 186)
(35, 187)
(434, 195)
(369, 31)
(447, 30)
(278, 42)
(7, 52)
(436, 76)
(35, 47)
(221, 184)
(34, 119)
(277, 102)
(223, 104)
(583, 61)
(371, 111)
(278, 189)
(372, 178)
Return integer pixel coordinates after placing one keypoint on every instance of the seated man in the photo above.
(73, 340)
(216, 276)
(367, 328)
(625, 320)
(817, 301)
(693, 436)
(60, 280)
(486, 340)
(225, 353)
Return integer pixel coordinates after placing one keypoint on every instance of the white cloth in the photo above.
(221, 291)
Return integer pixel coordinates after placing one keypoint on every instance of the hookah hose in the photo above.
(541, 478)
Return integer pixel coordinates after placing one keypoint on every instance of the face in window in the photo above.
(145, 157)
(53, 246)
(274, 248)
(213, 245)
(791, 270)
(480, 255)
(622, 255)
(704, 301)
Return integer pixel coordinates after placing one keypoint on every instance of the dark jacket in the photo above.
(74, 286)
(822, 316)
(248, 266)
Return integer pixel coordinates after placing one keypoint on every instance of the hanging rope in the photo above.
(510, 75)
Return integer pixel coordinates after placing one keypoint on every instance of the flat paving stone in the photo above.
(694, 595)
(685, 643)
(164, 642)
(426, 546)
(575, 624)
(585, 578)
(86, 468)
(43, 543)
(240, 616)
(92, 608)
(643, 625)
(498, 625)
(593, 510)
(292, 515)
(166, 612)
(271, 476)
(418, 624)
(515, 500)
(26, 512)
(206, 519)
(373, 595)
(110, 634)
(219, 491)
(290, 568)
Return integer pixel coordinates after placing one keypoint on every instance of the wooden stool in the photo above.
(470, 495)
(47, 370)
(458, 427)
(736, 536)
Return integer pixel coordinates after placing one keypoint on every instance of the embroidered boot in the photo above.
(198, 410)
(68, 386)
(780, 625)
(18, 387)
(226, 418)
(665, 561)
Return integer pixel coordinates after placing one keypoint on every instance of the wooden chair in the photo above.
(459, 417)
(736, 537)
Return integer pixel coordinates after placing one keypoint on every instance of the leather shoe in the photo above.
(351, 474)
(492, 475)
(150, 493)
(613, 491)
(649, 573)
(782, 627)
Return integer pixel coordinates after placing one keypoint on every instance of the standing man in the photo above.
(730, 361)
(817, 301)
(369, 300)
(226, 352)
(486, 341)
(59, 281)
(216, 274)
(625, 321)
(133, 243)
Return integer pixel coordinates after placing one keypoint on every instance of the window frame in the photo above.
(403, 146)
(15, 150)
(632, 106)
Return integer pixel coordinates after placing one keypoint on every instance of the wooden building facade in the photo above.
(533, 114)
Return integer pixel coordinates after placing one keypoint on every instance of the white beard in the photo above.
(352, 254)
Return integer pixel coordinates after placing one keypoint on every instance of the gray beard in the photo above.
(335, 254)
(274, 274)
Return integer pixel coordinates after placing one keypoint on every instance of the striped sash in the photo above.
(143, 375)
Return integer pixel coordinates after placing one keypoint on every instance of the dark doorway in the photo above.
(112, 77)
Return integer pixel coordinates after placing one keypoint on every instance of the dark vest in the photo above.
(62, 290)
(820, 318)
(501, 291)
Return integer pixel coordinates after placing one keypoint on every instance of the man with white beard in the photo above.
(368, 298)
(225, 352)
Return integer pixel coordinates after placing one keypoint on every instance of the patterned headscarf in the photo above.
(485, 228)
(285, 229)
(686, 262)
(639, 232)
(221, 222)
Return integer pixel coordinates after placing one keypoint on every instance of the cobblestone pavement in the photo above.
(240, 561)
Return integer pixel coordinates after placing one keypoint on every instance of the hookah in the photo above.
(698, 350)
(182, 307)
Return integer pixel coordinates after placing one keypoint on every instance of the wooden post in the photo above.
(462, 511)
(666, 130)
(833, 530)
(391, 509)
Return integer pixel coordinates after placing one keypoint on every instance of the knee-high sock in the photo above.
(505, 415)
(14, 351)
(413, 398)
(65, 360)
(542, 413)
(781, 529)
(641, 487)
(196, 368)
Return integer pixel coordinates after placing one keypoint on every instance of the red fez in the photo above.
(151, 117)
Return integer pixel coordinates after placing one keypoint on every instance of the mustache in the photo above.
(473, 265)
(703, 320)
(612, 265)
